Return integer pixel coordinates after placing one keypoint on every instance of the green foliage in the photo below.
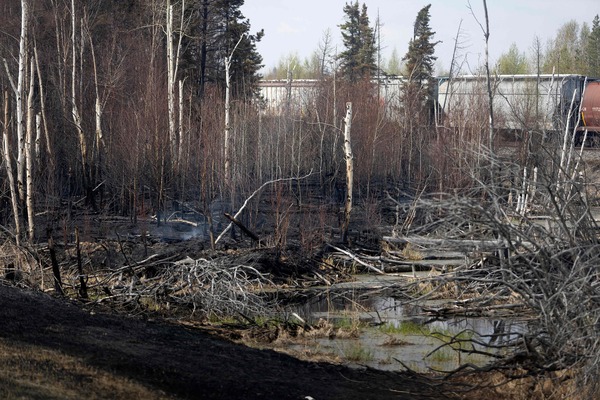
(420, 57)
(308, 68)
(358, 60)
(512, 62)
(418, 91)
(214, 29)
(405, 328)
(394, 64)
(593, 49)
(565, 54)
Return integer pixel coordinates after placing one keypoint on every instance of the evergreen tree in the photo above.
(420, 56)
(593, 49)
(420, 60)
(216, 28)
(358, 60)
(394, 64)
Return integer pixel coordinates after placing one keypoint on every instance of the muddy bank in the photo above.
(180, 362)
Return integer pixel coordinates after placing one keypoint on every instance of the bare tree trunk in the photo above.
(226, 143)
(98, 143)
(9, 171)
(55, 267)
(29, 156)
(74, 110)
(19, 94)
(227, 139)
(180, 125)
(38, 138)
(486, 34)
(43, 109)
(82, 278)
(172, 68)
(171, 73)
(349, 171)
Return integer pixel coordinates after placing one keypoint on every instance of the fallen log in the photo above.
(355, 258)
(240, 225)
(450, 262)
(480, 245)
(427, 254)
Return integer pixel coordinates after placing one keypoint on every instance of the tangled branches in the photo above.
(545, 260)
(207, 287)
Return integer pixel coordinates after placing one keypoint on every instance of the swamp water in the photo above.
(392, 329)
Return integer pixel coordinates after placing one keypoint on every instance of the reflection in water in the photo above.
(378, 307)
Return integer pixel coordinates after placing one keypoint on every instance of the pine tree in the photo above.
(593, 49)
(358, 60)
(420, 56)
(394, 64)
(216, 28)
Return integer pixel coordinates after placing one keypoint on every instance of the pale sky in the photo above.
(297, 26)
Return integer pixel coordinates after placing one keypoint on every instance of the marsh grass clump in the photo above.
(356, 352)
(407, 328)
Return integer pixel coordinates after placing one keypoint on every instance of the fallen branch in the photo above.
(355, 258)
(254, 194)
(240, 225)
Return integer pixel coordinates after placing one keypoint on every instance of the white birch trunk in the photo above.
(227, 138)
(38, 138)
(180, 125)
(98, 107)
(74, 109)
(171, 81)
(99, 133)
(488, 80)
(349, 170)
(19, 94)
(9, 171)
(29, 156)
(43, 109)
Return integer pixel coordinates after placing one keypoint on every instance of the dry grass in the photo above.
(555, 386)
(32, 372)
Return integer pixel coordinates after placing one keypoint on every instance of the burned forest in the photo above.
(434, 236)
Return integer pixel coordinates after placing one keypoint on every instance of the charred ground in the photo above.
(54, 348)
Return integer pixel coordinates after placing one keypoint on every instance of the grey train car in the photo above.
(545, 103)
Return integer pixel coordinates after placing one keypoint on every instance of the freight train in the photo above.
(546, 103)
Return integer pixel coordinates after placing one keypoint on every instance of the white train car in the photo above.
(543, 103)
(521, 102)
(280, 95)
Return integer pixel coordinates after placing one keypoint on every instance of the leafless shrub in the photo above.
(209, 287)
(544, 258)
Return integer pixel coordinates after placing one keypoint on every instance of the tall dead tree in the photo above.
(227, 138)
(171, 73)
(29, 155)
(77, 122)
(14, 201)
(20, 92)
(173, 57)
(349, 171)
(488, 77)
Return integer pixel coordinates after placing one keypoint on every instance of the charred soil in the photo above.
(55, 348)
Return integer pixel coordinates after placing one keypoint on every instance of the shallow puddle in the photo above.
(395, 331)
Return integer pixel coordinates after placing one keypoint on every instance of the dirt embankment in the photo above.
(53, 348)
